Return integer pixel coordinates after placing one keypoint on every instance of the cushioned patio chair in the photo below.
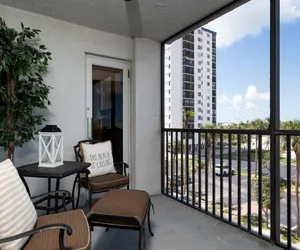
(20, 228)
(114, 177)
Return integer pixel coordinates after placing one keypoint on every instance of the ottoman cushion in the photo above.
(126, 208)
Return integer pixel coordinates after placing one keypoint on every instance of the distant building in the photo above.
(190, 79)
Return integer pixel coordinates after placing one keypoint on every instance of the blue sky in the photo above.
(243, 62)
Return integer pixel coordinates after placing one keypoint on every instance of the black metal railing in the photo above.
(227, 174)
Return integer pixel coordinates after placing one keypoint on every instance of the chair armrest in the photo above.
(61, 227)
(65, 194)
(121, 168)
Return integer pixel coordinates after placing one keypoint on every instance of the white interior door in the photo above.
(107, 103)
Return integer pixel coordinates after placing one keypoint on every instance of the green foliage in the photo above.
(254, 221)
(176, 147)
(284, 234)
(266, 191)
(23, 95)
(187, 116)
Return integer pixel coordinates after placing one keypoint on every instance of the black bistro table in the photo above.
(58, 173)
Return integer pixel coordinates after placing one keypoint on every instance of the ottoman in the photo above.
(126, 209)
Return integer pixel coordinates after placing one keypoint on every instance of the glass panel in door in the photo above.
(107, 107)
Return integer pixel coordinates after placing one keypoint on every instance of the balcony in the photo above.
(177, 226)
(211, 211)
(227, 175)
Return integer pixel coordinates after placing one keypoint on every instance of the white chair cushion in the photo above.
(100, 156)
(17, 213)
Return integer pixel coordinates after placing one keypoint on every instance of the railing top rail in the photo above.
(220, 131)
(236, 131)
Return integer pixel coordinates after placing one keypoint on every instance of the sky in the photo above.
(243, 62)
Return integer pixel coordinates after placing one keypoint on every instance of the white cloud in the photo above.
(237, 100)
(253, 95)
(250, 105)
(223, 99)
(250, 19)
(239, 106)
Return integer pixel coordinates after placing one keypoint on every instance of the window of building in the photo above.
(208, 49)
(199, 86)
(169, 117)
(199, 117)
(169, 58)
(199, 110)
(169, 66)
(199, 102)
(208, 69)
(208, 111)
(199, 39)
(199, 125)
(208, 98)
(208, 118)
(208, 77)
(199, 62)
(199, 78)
(208, 56)
(199, 47)
(208, 84)
(169, 91)
(199, 70)
(169, 75)
(207, 35)
(208, 42)
(199, 94)
(208, 105)
(169, 108)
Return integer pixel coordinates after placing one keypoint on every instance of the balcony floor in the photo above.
(178, 227)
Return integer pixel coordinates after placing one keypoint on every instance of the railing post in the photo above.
(162, 115)
(275, 118)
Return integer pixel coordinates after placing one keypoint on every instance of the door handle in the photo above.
(88, 126)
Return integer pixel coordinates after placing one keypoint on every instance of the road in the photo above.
(243, 188)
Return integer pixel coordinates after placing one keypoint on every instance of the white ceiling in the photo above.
(153, 19)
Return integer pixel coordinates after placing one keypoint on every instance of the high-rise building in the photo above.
(190, 79)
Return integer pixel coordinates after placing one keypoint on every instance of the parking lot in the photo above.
(200, 185)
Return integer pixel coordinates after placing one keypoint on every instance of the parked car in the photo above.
(226, 171)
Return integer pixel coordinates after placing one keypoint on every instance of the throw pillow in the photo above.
(100, 156)
(17, 213)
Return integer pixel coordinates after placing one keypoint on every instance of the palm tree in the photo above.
(187, 116)
(258, 124)
(243, 137)
(295, 141)
(209, 142)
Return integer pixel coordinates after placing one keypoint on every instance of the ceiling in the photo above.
(153, 19)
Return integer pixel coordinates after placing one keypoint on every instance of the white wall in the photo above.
(68, 44)
(146, 115)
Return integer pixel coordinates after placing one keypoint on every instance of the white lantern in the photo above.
(50, 147)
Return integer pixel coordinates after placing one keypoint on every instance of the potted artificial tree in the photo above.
(23, 62)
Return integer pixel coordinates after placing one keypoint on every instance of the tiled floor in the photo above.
(178, 227)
